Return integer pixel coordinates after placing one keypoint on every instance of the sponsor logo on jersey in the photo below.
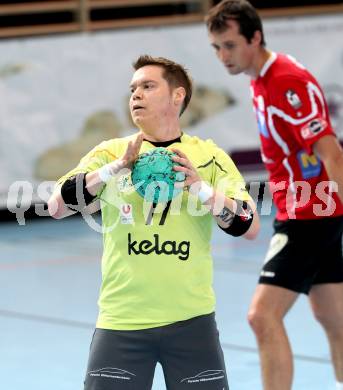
(146, 247)
(126, 217)
(313, 128)
(293, 99)
(310, 165)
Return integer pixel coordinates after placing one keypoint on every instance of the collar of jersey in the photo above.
(164, 144)
(268, 64)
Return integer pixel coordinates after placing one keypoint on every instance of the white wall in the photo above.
(50, 85)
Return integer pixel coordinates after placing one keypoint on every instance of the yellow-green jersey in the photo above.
(157, 264)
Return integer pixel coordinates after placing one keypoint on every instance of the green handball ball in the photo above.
(153, 176)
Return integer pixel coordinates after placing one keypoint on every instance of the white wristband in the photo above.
(205, 192)
(104, 173)
(109, 170)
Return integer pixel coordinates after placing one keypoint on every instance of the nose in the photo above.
(137, 94)
(223, 55)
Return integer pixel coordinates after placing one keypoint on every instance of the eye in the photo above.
(229, 46)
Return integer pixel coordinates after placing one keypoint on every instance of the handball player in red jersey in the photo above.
(305, 164)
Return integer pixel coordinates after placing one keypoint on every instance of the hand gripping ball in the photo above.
(153, 175)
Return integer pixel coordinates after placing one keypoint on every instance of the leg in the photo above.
(327, 306)
(121, 360)
(191, 355)
(268, 308)
(289, 269)
(326, 294)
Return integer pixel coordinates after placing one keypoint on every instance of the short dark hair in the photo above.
(239, 10)
(175, 74)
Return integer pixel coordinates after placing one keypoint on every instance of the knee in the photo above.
(319, 315)
(328, 319)
(260, 321)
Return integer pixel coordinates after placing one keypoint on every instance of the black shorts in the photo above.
(188, 351)
(303, 253)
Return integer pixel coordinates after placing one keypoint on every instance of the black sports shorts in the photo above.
(188, 351)
(303, 253)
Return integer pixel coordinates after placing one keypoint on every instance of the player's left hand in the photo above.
(191, 174)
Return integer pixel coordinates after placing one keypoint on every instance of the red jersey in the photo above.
(292, 115)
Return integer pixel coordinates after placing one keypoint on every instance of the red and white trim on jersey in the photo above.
(272, 110)
(268, 64)
(292, 115)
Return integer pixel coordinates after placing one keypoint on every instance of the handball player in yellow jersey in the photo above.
(156, 301)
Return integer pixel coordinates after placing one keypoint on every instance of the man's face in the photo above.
(151, 98)
(233, 49)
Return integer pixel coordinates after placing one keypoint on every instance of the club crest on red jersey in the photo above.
(293, 99)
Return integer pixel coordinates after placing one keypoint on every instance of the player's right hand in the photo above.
(132, 152)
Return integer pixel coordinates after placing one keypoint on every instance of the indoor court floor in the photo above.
(49, 282)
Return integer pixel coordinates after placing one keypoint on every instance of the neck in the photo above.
(261, 57)
(161, 134)
(166, 138)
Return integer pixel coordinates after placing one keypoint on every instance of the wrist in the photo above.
(205, 193)
(109, 170)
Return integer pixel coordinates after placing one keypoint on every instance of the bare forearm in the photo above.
(330, 152)
(93, 182)
(233, 216)
(74, 195)
(224, 210)
(334, 169)
(56, 206)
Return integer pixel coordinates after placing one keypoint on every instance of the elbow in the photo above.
(55, 209)
(254, 229)
(251, 234)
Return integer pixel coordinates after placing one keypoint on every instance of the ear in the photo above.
(257, 38)
(179, 95)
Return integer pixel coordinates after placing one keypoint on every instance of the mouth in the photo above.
(137, 107)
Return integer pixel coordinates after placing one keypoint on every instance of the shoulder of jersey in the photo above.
(116, 142)
(194, 140)
(113, 147)
(287, 67)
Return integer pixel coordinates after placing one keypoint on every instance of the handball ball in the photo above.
(153, 175)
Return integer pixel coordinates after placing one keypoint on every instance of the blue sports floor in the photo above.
(49, 282)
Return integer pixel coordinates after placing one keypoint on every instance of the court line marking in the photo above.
(87, 325)
(296, 356)
(45, 319)
(49, 262)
